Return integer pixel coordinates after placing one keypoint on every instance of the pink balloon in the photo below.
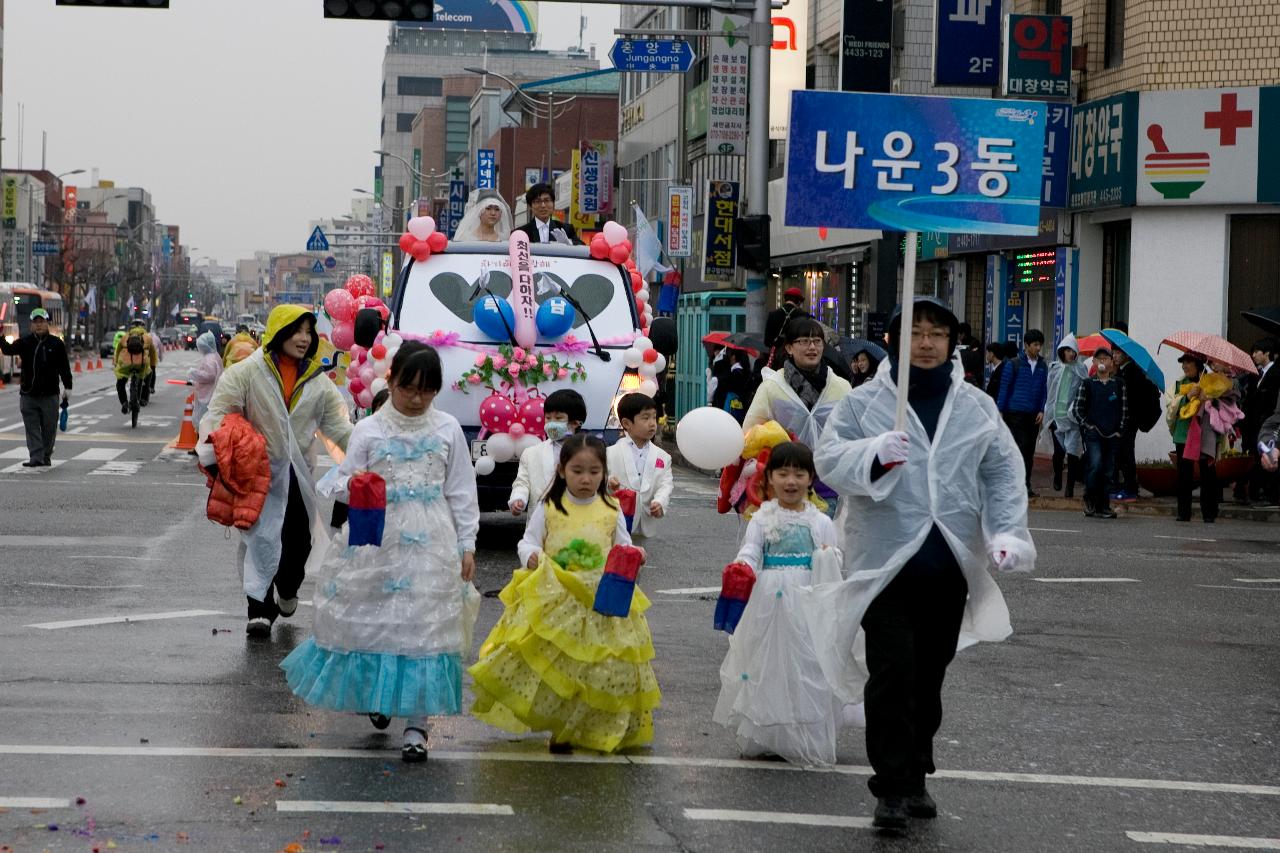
(340, 305)
(360, 285)
(516, 429)
(531, 415)
(497, 412)
(354, 385)
(343, 335)
(614, 233)
(357, 352)
(365, 398)
(422, 227)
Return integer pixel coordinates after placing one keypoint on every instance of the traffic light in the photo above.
(116, 4)
(751, 234)
(380, 10)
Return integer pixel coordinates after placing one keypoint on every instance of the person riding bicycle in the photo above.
(135, 356)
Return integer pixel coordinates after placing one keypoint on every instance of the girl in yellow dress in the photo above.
(552, 663)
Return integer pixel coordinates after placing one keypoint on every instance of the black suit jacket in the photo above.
(532, 231)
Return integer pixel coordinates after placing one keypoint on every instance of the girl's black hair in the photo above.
(573, 445)
(417, 365)
(803, 327)
(380, 398)
(276, 345)
(790, 454)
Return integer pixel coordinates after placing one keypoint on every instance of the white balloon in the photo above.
(633, 357)
(524, 442)
(379, 385)
(642, 343)
(661, 364)
(648, 387)
(647, 370)
(709, 438)
(392, 341)
(502, 447)
(379, 367)
(643, 295)
(391, 354)
(485, 466)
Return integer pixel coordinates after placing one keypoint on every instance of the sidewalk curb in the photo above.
(1155, 508)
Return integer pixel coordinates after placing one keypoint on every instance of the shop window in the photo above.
(1113, 45)
(1116, 240)
(1252, 277)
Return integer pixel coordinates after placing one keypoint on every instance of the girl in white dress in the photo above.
(773, 694)
(393, 621)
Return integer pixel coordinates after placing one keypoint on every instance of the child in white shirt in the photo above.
(563, 415)
(636, 463)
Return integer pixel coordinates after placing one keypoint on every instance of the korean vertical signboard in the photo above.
(727, 87)
(787, 62)
(1104, 151)
(457, 205)
(388, 275)
(486, 170)
(597, 177)
(722, 211)
(579, 219)
(679, 222)
(1037, 56)
(915, 163)
(416, 189)
(1057, 142)
(866, 46)
(10, 202)
(966, 43)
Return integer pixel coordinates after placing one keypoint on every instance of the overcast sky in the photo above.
(244, 118)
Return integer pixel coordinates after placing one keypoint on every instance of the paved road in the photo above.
(1135, 707)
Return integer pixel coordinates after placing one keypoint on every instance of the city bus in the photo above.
(8, 330)
(190, 317)
(27, 298)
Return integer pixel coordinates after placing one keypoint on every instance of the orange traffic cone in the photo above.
(187, 436)
(88, 364)
(99, 363)
(77, 367)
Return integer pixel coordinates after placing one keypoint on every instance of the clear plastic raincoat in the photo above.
(969, 481)
(254, 389)
(775, 400)
(1065, 427)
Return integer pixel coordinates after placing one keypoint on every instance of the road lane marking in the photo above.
(544, 757)
(693, 590)
(17, 540)
(1185, 538)
(20, 468)
(81, 586)
(112, 620)
(117, 469)
(1256, 580)
(792, 818)
(34, 803)
(98, 454)
(1086, 580)
(361, 807)
(114, 557)
(16, 453)
(1250, 588)
(1238, 842)
(1050, 530)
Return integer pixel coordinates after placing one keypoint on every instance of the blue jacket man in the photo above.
(1024, 390)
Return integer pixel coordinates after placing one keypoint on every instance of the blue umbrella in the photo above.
(1137, 353)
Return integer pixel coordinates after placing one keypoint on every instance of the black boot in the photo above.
(891, 813)
(1070, 491)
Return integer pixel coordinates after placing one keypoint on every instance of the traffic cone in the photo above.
(99, 363)
(77, 367)
(187, 436)
(88, 364)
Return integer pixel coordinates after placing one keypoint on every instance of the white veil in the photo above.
(469, 227)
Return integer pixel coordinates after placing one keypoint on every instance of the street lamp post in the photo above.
(536, 106)
(430, 178)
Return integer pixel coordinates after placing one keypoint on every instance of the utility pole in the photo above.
(761, 43)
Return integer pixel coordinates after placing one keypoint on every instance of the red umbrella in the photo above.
(1089, 344)
(715, 338)
(1212, 348)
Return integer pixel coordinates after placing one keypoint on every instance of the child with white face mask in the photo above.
(563, 415)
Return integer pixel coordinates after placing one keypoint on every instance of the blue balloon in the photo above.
(488, 318)
(555, 317)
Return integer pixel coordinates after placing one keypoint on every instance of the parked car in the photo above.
(107, 346)
(170, 335)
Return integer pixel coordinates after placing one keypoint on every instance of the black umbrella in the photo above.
(742, 340)
(1267, 319)
(850, 347)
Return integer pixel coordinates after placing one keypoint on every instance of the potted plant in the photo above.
(1158, 476)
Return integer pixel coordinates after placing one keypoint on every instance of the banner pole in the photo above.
(904, 328)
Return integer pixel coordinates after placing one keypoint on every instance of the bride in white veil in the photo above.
(488, 219)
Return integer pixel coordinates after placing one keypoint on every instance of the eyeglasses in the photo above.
(808, 343)
(934, 335)
(410, 392)
(546, 199)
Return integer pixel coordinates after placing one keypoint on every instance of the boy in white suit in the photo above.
(563, 414)
(636, 463)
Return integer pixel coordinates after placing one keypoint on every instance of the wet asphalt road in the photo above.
(1126, 714)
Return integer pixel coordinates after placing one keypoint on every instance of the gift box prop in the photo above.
(618, 583)
(366, 510)
(735, 591)
(626, 499)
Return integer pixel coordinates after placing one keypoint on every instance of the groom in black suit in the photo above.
(541, 201)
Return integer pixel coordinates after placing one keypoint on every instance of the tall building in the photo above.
(423, 69)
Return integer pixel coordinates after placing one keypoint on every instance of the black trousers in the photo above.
(1210, 491)
(144, 393)
(911, 632)
(1060, 456)
(1125, 478)
(1025, 430)
(295, 547)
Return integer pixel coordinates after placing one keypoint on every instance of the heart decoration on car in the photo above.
(422, 239)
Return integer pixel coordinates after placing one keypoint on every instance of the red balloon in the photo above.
(406, 242)
(599, 248)
(380, 351)
(421, 250)
(626, 243)
(619, 254)
(637, 282)
(437, 241)
(650, 356)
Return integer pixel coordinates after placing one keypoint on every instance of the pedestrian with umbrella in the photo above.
(1142, 380)
(1065, 375)
(1194, 440)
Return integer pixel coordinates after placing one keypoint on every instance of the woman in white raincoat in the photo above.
(802, 394)
(204, 376)
(284, 393)
(930, 509)
(1065, 375)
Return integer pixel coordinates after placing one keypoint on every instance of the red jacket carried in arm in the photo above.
(237, 494)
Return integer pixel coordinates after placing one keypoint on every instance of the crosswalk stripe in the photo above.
(17, 467)
(98, 454)
(792, 818)
(34, 803)
(1238, 842)
(363, 807)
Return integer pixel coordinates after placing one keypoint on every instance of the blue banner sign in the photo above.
(486, 169)
(1057, 155)
(674, 55)
(914, 163)
(457, 205)
(44, 248)
(966, 49)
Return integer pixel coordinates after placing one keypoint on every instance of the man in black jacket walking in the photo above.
(44, 362)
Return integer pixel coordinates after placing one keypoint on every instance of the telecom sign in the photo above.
(915, 163)
(318, 242)
(675, 55)
(966, 43)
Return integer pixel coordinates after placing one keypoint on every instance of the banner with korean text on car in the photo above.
(915, 163)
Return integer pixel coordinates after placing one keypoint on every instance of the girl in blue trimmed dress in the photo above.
(773, 694)
(393, 622)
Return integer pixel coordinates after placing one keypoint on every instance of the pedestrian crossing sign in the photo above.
(318, 242)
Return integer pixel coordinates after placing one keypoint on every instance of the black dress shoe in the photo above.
(32, 463)
(1105, 513)
(1057, 482)
(922, 805)
(891, 813)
